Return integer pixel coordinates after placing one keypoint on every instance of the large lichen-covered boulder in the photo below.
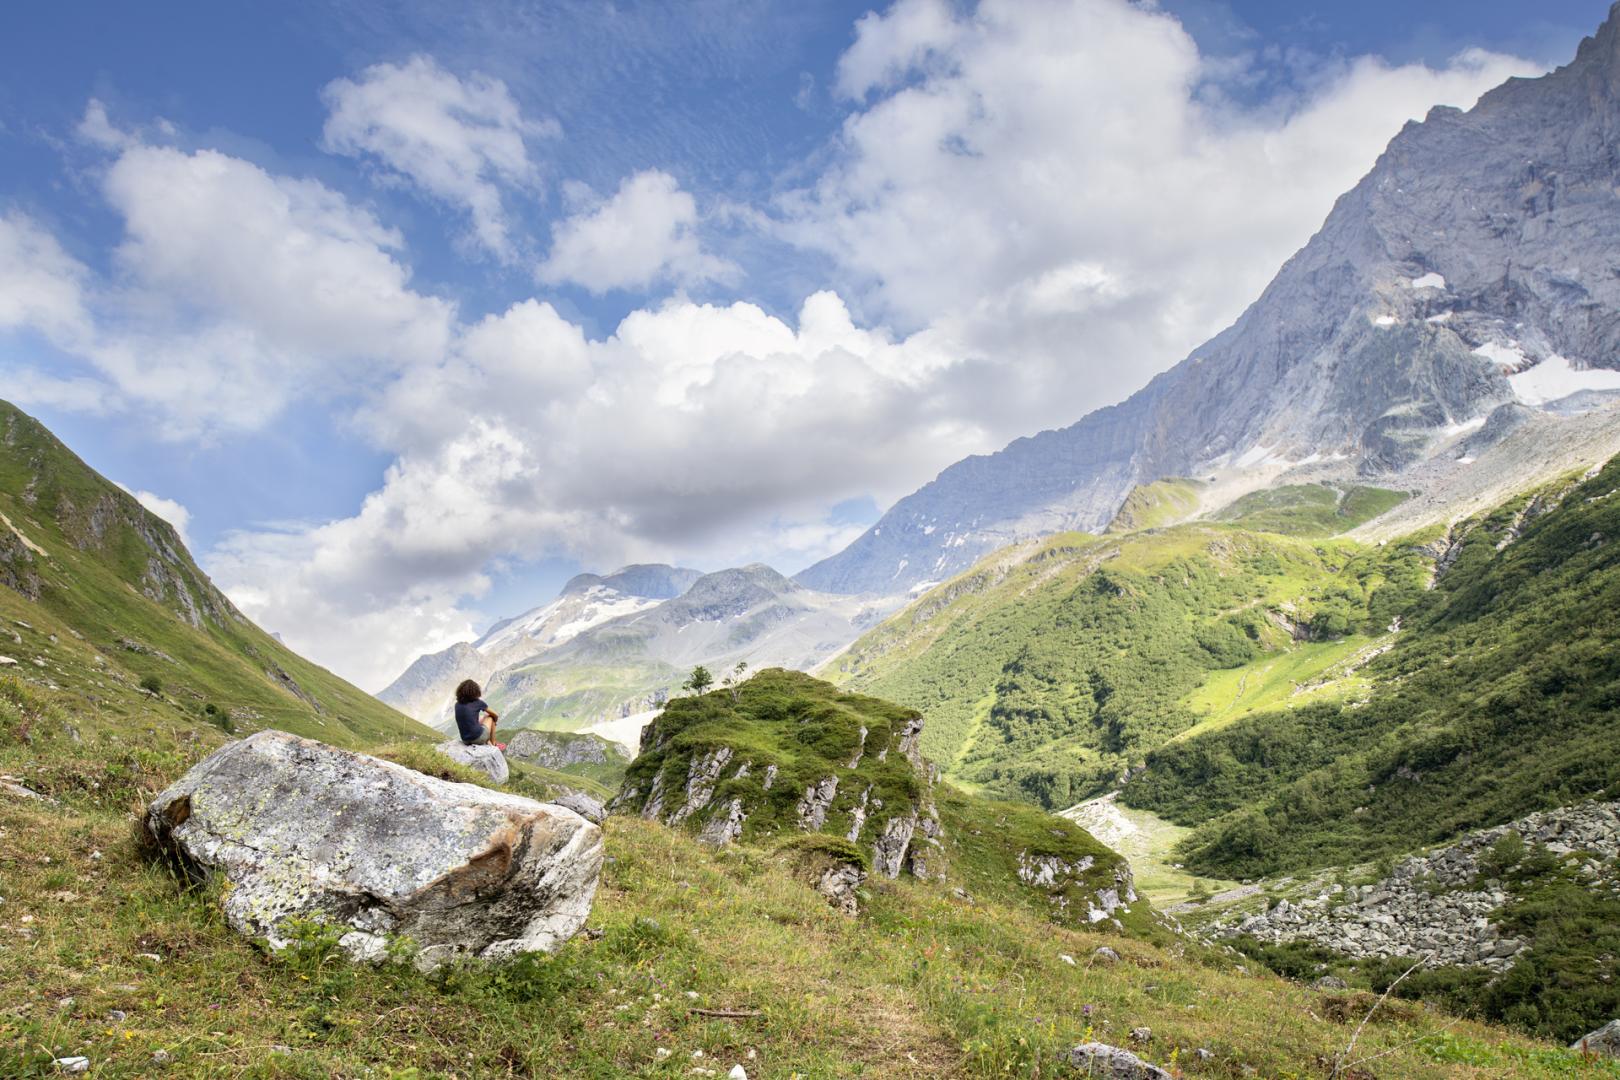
(299, 829)
(786, 753)
(485, 758)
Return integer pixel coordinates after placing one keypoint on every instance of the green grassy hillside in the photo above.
(1499, 696)
(1048, 669)
(1309, 509)
(103, 602)
(785, 732)
(106, 955)
(1156, 505)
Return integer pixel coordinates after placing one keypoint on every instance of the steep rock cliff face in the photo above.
(1472, 267)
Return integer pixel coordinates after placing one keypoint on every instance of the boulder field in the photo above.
(302, 830)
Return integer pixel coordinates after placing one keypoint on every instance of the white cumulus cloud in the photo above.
(459, 140)
(645, 234)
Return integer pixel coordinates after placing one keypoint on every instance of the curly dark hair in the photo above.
(468, 691)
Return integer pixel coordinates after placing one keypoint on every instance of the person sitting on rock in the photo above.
(470, 712)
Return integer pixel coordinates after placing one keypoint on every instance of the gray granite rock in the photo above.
(1095, 1059)
(486, 759)
(304, 830)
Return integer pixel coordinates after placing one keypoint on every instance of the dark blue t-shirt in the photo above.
(467, 719)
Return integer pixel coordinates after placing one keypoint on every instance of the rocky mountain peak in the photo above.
(1470, 268)
(651, 581)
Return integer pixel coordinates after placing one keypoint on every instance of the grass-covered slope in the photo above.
(1500, 695)
(1048, 669)
(785, 756)
(104, 954)
(102, 600)
(1156, 505)
(1309, 509)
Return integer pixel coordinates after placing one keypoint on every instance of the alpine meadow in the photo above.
(1048, 538)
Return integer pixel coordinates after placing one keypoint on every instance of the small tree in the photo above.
(734, 681)
(699, 681)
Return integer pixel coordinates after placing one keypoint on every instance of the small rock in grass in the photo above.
(737, 1073)
(116, 1016)
(1100, 1060)
(1141, 1035)
(1604, 1041)
(1104, 955)
(72, 1064)
(1204, 1055)
(161, 1057)
(662, 1052)
(1329, 982)
(1066, 958)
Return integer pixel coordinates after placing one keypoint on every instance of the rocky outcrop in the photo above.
(302, 830)
(559, 750)
(1441, 906)
(818, 761)
(817, 798)
(1065, 881)
(1095, 1059)
(701, 776)
(1604, 1042)
(838, 884)
(486, 759)
(587, 807)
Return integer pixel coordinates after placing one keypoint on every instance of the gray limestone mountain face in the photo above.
(421, 687)
(559, 750)
(1481, 245)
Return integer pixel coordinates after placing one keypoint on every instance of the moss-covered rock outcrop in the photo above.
(785, 757)
(783, 753)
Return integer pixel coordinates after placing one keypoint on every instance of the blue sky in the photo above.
(408, 313)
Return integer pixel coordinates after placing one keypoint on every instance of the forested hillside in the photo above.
(1048, 670)
(1500, 695)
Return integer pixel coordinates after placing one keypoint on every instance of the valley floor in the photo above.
(1148, 843)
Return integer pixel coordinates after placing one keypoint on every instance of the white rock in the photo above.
(72, 1064)
(737, 1073)
(487, 759)
(301, 829)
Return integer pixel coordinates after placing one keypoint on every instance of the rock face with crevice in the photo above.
(302, 830)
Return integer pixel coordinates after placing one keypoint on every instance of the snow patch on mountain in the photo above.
(1555, 378)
